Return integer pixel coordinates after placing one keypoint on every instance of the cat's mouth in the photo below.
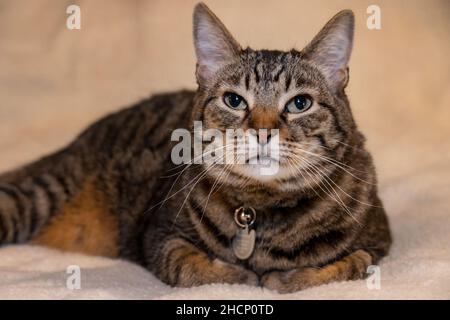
(263, 168)
(261, 160)
(284, 165)
(276, 164)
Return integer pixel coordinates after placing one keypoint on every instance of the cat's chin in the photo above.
(263, 173)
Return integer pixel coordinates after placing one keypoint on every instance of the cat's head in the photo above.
(299, 93)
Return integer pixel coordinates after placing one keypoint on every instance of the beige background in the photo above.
(53, 82)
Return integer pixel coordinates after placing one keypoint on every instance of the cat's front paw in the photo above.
(235, 274)
(351, 267)
(293, 280)
(283, 281)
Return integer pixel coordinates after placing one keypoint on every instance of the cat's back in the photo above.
(160, 114)
(146, 124)
(166, 104)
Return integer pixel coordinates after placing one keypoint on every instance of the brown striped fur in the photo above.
(351, 267)
(115, 192)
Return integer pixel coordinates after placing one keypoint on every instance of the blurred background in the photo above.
(55, 81)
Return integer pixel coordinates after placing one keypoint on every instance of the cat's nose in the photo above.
(263, 121)
(263, 136)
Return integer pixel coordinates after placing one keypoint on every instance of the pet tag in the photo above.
(244, 239)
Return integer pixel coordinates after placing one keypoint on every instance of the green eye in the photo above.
(298, 104)
(234, 101)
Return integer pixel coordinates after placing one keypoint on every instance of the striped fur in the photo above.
(115, 192)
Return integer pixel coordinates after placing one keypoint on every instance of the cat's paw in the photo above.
(235, 274)
(351, 267)
(282, 281)
(291, 281)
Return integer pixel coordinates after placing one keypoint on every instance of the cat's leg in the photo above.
(351, 267)
(184, 265)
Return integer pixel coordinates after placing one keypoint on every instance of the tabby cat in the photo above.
(115, 191)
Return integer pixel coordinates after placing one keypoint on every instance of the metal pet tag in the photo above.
(244, 239)
(244, 243)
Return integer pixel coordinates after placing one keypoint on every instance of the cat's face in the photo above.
(299, 94)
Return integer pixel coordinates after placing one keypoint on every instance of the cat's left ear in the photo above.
(215, 47)
(331, 48)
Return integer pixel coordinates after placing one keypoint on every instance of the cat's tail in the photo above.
(32, 195)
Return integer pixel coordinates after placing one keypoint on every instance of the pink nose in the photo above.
(263, 135)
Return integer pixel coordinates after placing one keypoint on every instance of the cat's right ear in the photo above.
(214, 45)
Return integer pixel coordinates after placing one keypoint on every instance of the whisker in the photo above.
(341, 203)
(350, 146)
(195, 158)
(336, 162)
(347, 194)
(338, 165)
(205, 172)
(212, 189)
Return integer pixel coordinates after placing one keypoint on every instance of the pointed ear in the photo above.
(214, 45)
(331, 48)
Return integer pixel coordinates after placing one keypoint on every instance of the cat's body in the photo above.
(115, 191)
